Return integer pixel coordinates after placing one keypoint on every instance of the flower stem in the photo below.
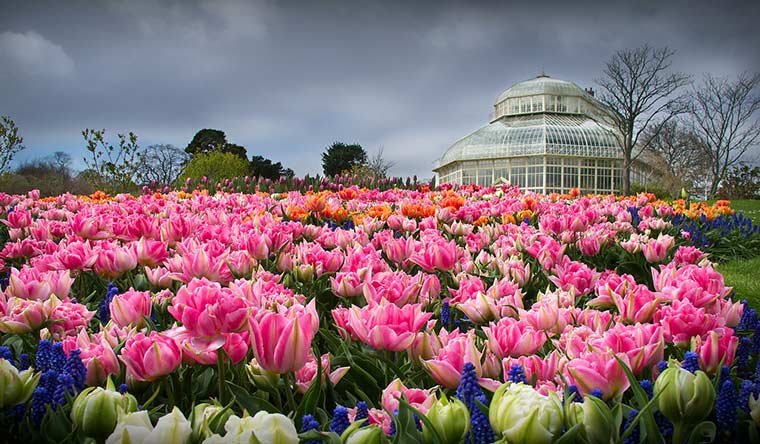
(289, 388)
(220, 375)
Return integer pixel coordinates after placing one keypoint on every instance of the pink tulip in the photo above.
(385, 326)
(688, 255)
(547, 315)
(18, 219)
(67, 318)
(281, 342)
(88, 226)
(208, 310)
(682, 321)
(19, 316)
(656, 250)
(702, 286)
(131, 308)
(77, 255)
(240, 263)
(97, 356)
(421, 399)
(634, 302)
(447, 366)
(600, 371)
(159, 277)
(148, 358)
(114, 261)
(306, 375)
(436, 256)
(574, 275)
(509, 337)
(537, 369)
(258, 245)
(26, 286)
(716, 349)
(517, 271)
(643, 344)
(150, 253)
(396, 287)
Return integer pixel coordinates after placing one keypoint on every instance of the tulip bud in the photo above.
(274, 427)
(304, 273)
(522, 415)
(599, 425)
(261, 378)
(172, 428)
(16, 387)
(754, 409)
(96, 410)
(208, 419)
(356, 434)
(684, 397)
(450, 419)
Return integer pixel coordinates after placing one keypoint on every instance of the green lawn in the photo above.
(744, 275)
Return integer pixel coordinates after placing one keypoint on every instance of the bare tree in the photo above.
(61, 160)
(113, 167)
(378, 164)
(10, 142)
(162, 164)
(680, 149)
(643, 94)
(725, 116)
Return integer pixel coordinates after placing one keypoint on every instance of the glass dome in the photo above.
(545, 135)
(542, 84)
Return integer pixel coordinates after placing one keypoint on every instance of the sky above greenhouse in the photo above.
(286, 79)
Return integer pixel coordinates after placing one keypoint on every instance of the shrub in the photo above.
(215, 166)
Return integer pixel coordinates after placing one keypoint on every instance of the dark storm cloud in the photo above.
(286, 79)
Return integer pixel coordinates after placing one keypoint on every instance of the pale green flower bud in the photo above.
(599, 424)
(96, 410)
(172, 428)
(208, 419)
(450, 419)
(356, 434)
(274, 428)
(261, 378)
(684, 397)
(16, 387)
(754, 409)
(520, 414)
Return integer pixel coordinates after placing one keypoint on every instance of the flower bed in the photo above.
(362, 315)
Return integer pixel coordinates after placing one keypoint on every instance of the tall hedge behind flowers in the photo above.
(382, 314)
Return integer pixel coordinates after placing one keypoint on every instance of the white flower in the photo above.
(136, 428)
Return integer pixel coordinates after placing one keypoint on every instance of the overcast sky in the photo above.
(286, 79)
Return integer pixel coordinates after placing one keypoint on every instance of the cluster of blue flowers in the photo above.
(23, 360)
(340, 421)
(61, 376)
(346, 225)
(445, 314)
(516, 374)
(704, 233)
(470, 393)
(104, 308)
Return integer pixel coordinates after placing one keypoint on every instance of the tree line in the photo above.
(701, 133)
(122, 165)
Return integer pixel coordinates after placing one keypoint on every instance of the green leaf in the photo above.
(406, 428)
(428, 425)
(249, 402)
(651, 431)
(569, 436)
(316, 435)
(703, 432)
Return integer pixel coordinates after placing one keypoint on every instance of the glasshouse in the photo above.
(545, 135)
